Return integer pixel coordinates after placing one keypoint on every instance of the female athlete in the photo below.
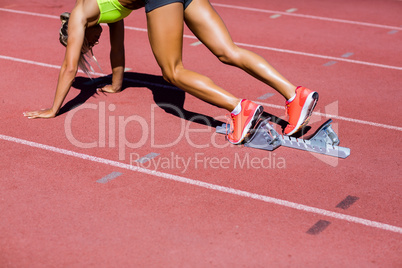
(80, 31)
(165, 31)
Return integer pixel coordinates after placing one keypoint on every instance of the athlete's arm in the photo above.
(117, 56)
(69, 68)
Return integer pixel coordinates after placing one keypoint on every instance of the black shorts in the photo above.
(153, 4)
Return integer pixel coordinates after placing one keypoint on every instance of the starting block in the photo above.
(264, 137)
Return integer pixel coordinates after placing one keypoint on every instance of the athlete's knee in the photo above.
(229, 56)
(167, 76)
(171, 74)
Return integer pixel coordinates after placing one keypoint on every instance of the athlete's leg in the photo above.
(165, 32)
(207, 25)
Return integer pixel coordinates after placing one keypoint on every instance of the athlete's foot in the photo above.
(300, 109)
(244, 121)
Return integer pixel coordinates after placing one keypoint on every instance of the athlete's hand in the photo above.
(45, 113)
(109, 89)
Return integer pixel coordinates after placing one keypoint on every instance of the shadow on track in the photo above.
(166, 96)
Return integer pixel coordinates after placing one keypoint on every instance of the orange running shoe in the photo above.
(300, 109)
(241, 123)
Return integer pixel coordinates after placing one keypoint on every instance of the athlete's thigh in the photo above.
(207, 25)
(165, 33)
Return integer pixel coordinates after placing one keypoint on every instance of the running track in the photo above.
(122, 180)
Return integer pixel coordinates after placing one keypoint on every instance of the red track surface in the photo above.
(55, 213)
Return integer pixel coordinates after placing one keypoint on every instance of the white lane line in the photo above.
(246, 45)
(30, 62)
(136, 29)
(309, 16)
(41, 64)
(29, 13)
(372, 64)
(210, 186)
(265, 96)
(196, 44)
(261, 103)
(363, 122)
(287, 13)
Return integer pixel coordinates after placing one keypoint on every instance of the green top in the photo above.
(111, 11)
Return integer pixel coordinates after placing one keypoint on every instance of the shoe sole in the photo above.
(306, 112)
(256, 116)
